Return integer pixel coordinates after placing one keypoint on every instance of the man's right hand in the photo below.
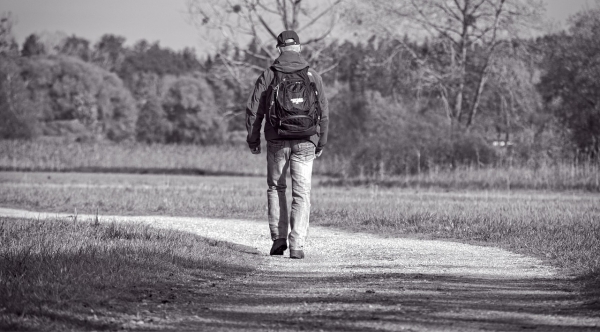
(256, 150)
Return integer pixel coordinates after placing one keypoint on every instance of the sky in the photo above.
(164, 21)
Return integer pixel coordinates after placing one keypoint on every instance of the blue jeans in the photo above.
(298, 156)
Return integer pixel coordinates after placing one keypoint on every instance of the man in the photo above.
(283, 152)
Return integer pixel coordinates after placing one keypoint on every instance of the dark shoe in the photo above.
(296, 254)
(279, 246)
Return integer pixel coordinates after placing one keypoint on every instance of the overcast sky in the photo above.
(154, 20)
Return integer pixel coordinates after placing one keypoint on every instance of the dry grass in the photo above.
(67, 275)
(58, 156)
(555, 177)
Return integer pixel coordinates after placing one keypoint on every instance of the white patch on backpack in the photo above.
(297, 100)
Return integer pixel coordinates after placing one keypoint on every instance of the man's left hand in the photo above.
(256, 150)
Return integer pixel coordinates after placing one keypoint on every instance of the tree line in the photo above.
(398, 103)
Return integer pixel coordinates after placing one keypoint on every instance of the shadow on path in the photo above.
(392, 302)
(483, 288)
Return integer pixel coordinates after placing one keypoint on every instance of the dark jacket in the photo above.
(256, 106)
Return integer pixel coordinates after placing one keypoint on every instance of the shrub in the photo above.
(79, 99)
(16, 110)
(190, 107)
(383, 137)
(152, 125)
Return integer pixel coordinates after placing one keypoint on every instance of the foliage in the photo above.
(151, 58)
(190, 108)
(109, 52)
(570, 83)
(390, 138)
(80, 99)
(152, 125)
(17, 112)
(8, 45)
(400, 103)
(76, 47)
(464, 36)
(33, 46)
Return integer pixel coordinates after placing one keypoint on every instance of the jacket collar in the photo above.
(289, 61)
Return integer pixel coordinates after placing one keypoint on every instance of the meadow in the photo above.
(235, 159)
(56, 271)
(562, 228)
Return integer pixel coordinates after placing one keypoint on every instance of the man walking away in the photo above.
(289, 96)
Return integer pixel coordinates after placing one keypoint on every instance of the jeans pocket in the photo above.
(306, 151)
(275, 151)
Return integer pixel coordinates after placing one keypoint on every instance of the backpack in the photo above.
(293, 105)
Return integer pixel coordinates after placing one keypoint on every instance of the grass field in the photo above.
(65, 275)
(59, 156)
(563, 228)
(550, 212)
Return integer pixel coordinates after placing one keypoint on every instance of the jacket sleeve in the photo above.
(324, 112)
(255, 109)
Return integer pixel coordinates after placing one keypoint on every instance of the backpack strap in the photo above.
(276, 76)
(271, 94)
(313, 84)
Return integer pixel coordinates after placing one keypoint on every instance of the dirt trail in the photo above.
(357, 282)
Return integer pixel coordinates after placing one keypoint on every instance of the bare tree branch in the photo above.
(457, 25)
(318, 17)
(328, 69)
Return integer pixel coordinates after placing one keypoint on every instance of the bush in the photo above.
(190, 108)
(16, 110)
(383, 137)
(79, 99)
(152, 125)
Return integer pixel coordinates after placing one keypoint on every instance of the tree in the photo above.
(79, 99)
(463, 36)
(570, 82)
(33, 46)
(53, 41)
(76, 47)
(259, 22)
(151, 58)
(191, 110)
(17, 112)
(152, 124)
(8, 45)
(109, 52)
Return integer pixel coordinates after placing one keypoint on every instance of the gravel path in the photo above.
(356, 282)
